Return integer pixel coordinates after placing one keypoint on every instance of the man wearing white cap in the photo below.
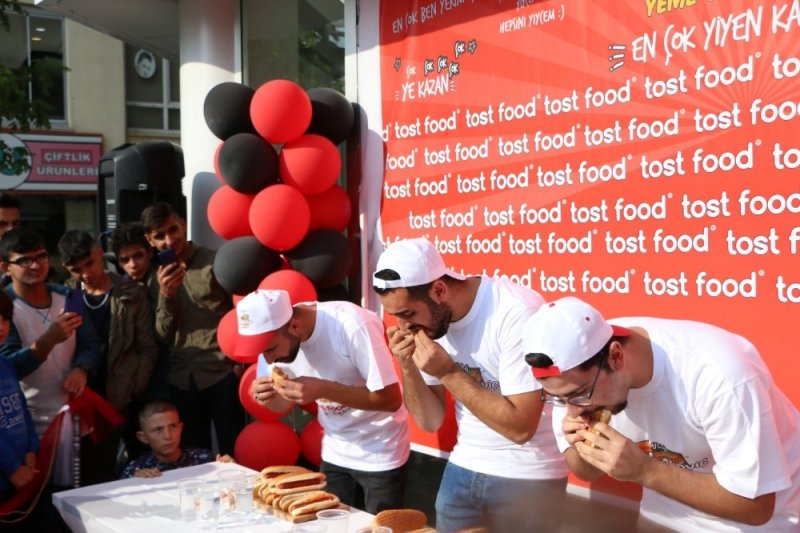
(463, 335)
(698, 421)
(333, 353)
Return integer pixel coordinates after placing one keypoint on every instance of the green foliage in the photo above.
(18, 111)
(5, 6)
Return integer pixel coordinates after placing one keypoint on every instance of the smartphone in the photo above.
(73, 301)
(167, 257)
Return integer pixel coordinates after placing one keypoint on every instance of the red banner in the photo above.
(641, 154)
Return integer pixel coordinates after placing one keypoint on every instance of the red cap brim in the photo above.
(548, 372)
(619, 331)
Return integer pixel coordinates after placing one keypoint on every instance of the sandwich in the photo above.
(400, 520)
(278, 470)
(261, 489)
(297, 482)
(603, 416)
(310, 502)
(278, 374)
(282, 502)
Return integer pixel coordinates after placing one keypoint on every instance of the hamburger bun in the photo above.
(400, 520)
(278, 374)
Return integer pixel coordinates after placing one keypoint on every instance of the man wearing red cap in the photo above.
(334, 354)
(463, 335)
(698, 421)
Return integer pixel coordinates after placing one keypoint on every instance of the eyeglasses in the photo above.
(581, 400)
(27, 262)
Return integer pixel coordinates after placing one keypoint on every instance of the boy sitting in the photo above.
(160, 429)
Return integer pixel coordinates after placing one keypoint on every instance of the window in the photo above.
(301, 41)
(32, 55)
(152, 92)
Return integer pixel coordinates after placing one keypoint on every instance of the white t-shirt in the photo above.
(712, 407)
(43, 387)
(486, 344)
(347, 346)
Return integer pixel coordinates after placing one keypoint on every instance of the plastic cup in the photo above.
(236, 501)
(208, 502)
(187, 493)
(335, 520)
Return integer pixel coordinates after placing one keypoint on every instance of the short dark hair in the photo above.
(128, 234)
(416, 292)
(20, 241)
(9, 201)
(6, 306)
(156, 215)
(75, 245)
(153, 408)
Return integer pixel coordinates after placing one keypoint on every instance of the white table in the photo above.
(150, 505)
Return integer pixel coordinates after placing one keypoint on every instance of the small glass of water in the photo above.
(236, 496)
(187, 493)
(208, 501)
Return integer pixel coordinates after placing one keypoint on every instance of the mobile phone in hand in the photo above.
(73, 301)
(167, 257)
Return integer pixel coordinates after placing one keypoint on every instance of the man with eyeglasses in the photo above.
(52, 351)
(698, 421)
(462, 335)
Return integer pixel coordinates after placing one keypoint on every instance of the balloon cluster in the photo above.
(282, 215)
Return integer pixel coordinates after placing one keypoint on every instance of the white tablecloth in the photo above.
(150, 505)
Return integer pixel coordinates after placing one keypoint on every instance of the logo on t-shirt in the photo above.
(476, 374)
(665, 455)
(332, 408)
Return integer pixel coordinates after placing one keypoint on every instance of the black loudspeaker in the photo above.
(133, 176)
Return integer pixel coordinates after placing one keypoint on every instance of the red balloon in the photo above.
(216, 163)
(279, 217)
(248, 401)
(262, 444)
(311, 163)
(311, 442)
(236, 298)
(330, 209)
(225, 213)
(298, 286)
(280, 111)
(227, 334)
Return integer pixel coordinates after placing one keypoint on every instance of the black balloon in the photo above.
(248, 163)
(334, 294)
(324, 257)
(332, 115)
(242, 263)
(227, 109)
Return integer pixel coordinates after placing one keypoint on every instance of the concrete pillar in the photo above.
(210, 53)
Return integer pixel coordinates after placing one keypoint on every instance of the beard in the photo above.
(618, 408)
(441, 314)
(294, 349)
